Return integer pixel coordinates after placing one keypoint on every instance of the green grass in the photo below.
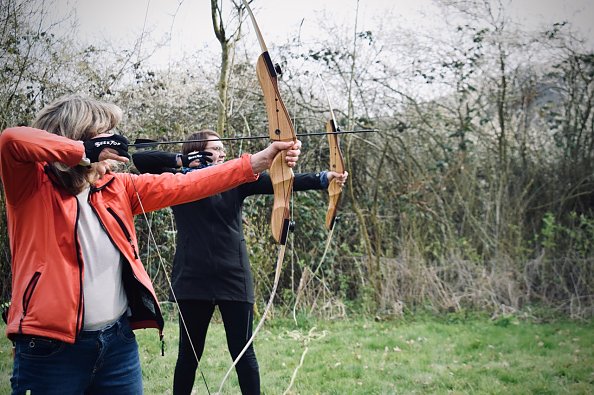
(411, 356)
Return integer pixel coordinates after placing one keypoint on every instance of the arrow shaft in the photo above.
(152, 143)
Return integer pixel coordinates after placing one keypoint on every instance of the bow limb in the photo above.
(334, 193)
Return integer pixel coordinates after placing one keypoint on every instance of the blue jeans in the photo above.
(100, 362)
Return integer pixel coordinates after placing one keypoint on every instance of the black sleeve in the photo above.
(263, 185)
(307, 181)
(155, 162)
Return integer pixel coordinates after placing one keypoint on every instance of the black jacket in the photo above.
(211, 258)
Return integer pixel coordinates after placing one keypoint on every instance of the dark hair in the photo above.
(204, 134)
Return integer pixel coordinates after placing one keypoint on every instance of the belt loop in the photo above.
(122, 322)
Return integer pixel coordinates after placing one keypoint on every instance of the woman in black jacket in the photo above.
(211, 266)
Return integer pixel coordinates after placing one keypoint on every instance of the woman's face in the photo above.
(217, 149)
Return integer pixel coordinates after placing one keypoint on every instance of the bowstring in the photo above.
(330, 234)
(282, 247)
(292, 204)
(162, 263)
(326, 249)
(278, 267)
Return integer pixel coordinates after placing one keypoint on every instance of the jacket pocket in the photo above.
(27, 295)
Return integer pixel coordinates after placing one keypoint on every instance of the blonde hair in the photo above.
(77, 118)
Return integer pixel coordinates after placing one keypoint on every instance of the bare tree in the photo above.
(227, 42)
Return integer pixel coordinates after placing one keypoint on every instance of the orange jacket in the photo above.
(47, 264)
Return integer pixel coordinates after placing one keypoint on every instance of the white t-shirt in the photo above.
(104, 296)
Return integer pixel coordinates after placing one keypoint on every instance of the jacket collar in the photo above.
(103, 182)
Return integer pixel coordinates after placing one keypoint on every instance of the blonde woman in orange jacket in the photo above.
(78, 285)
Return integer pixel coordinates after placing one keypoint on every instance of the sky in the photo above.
(188, 22)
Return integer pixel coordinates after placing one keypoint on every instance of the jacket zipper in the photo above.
(124, 229)
(126, 233)
(27, 297)
(80, 313)
(116, 217)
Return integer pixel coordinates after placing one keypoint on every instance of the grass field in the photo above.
(444, 355)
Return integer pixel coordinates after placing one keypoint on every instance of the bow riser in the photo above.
(337, 165)
(282, 178)
(282, 185)
(334, 191)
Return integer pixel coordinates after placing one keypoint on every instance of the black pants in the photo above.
(238, 320)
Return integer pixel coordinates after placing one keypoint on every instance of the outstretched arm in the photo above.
(155, 162)
(303, 182)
